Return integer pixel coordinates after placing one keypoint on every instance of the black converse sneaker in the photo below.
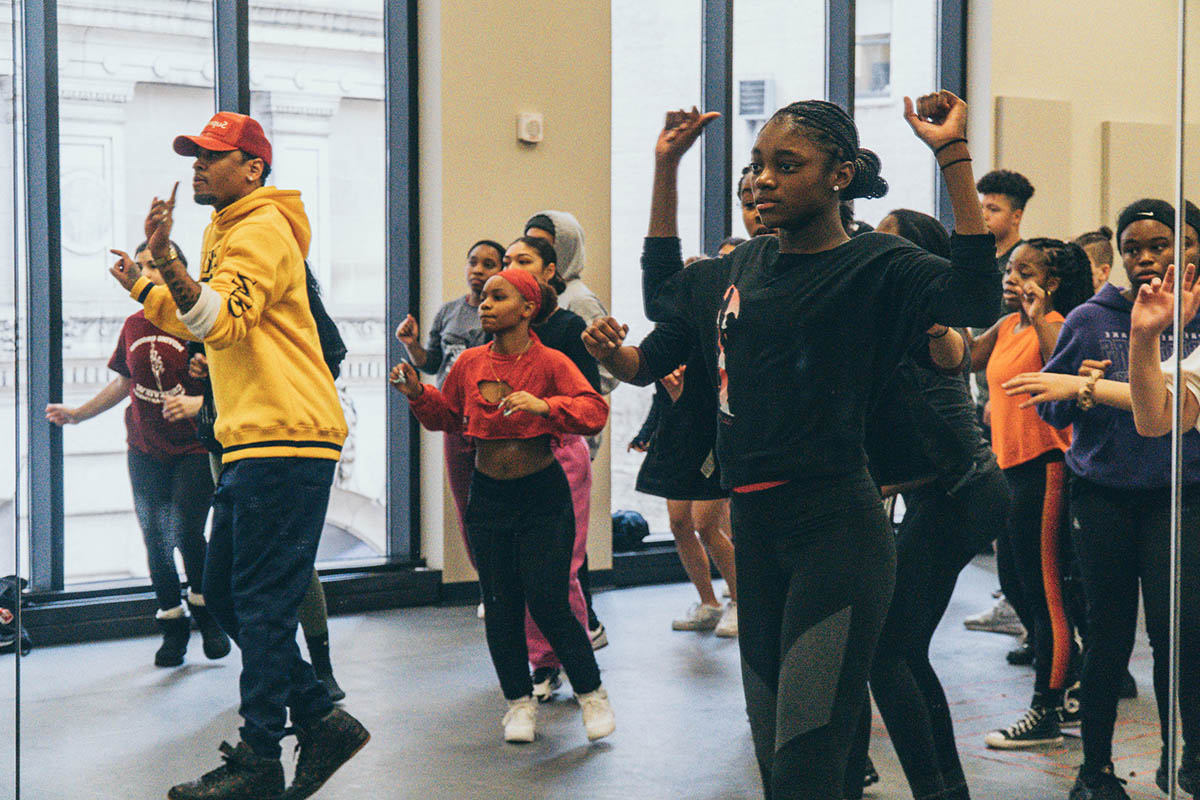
(1038, 727)
(324, 745)
(243, 776)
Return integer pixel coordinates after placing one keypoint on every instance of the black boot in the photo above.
(324, 745)
(216, 643)
(244, 776)
(175, 631)
(318, 654)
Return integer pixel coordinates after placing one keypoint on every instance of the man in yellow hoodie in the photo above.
(281, 427)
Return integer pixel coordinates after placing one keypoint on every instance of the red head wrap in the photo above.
(526, 284)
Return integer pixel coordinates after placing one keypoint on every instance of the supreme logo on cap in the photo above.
(218, 124)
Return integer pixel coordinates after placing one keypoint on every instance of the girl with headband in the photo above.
(561, 329)
(799, 333)
(514, 397)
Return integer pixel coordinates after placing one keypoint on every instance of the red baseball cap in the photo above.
(227, 131)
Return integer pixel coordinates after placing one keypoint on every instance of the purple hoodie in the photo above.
(1105, 447)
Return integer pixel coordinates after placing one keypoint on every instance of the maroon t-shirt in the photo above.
(156, 364)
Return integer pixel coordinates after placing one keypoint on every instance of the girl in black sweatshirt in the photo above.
(799, 334)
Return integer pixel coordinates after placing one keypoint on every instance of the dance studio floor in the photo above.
(100, 722)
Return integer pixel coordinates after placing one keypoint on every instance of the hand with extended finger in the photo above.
(405, 379)
(1035, 301)
(680, 131)
(408, 332)
(1044, 387)
(604, 337)
(125, 270)
(158, 224)
(937, 118)
(524, 401)
(1154, 309)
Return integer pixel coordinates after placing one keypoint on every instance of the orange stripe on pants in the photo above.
(1052, 516)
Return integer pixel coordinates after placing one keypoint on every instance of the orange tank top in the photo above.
(1019, 434)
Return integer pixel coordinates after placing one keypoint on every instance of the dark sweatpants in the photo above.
(267, 519)
(816, 563)
(1123, 538)
(523, 532)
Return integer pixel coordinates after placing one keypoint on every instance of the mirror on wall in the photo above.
(1086, 117)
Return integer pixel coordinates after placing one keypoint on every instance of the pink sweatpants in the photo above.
(576, 461)
(460, 465)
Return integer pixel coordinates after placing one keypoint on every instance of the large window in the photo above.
(317, 84)
(895, 55)
(130, 81)
(662, 39)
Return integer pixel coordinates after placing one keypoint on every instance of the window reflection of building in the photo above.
(132, 77)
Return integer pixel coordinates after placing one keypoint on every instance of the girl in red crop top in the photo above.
(513, 396)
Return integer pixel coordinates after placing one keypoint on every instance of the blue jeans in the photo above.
(267, 519)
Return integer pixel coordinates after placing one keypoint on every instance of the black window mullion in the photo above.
(403, 276)
(43, 252)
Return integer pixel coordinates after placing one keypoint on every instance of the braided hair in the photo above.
(1070, 264)
(832, 129)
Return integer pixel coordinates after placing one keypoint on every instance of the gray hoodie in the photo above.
(577, 297)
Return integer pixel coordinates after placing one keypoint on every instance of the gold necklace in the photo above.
(492, 361)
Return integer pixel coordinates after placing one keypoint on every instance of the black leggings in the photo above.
(1123, 537)
(816, 562)
(522, 532)
(939, 536)
(172, 497)
(1036, 534)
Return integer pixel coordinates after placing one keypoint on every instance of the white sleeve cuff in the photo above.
(1191, 379)
(202, 316)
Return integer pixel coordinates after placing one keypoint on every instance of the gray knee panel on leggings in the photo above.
(808, 678)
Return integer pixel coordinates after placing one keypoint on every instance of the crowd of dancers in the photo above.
(804, 378)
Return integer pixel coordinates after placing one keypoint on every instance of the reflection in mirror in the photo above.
(1072, 140)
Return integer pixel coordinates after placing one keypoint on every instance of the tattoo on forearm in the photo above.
(185, 290)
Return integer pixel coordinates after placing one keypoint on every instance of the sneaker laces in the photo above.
(233, 763)
(1033, 717)
(591, 702)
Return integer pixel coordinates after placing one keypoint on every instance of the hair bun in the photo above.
(867, 182)
(1106, 231)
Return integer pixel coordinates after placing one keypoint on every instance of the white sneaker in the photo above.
(598, 718)
(479, 612)
(699, 618)
(727, 627)
(520, 719)
(1000, 618)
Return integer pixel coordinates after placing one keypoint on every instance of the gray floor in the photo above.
(99, 722)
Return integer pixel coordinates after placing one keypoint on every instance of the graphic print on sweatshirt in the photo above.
(157, 394)
(727, 316)
(1114, 346)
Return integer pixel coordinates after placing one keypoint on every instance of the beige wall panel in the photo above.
(1032, 139)
(1078, 52)
(495, 61)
